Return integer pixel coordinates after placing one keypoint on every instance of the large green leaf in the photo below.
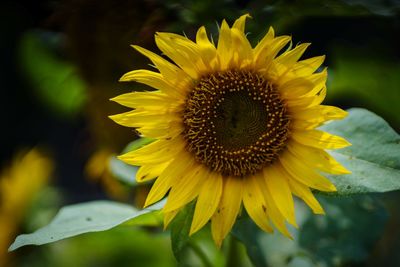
(180, 228)
(84, 218)
(342, 237)
(347, 233)
(373, 158)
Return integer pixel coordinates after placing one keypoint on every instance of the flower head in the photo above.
(234, 124)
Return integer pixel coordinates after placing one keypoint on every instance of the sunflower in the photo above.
(234, 124)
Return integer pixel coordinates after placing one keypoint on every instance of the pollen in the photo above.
(235, 122)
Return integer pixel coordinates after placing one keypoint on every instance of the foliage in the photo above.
(83, 218)
(373, 158)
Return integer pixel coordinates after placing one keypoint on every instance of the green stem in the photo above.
(233, 257)
(200, 253)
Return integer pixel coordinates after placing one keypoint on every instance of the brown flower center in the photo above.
(235, 122)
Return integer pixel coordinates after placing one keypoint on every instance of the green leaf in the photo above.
(180, 228)
(347, 233)
(373, 158)
(84, 218)
(341, 237)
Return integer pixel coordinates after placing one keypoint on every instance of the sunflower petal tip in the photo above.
(248, 15)
(288, 235)
(148, 202)
(332, 188)
(319, 212)
(121, 157)
(124, 78)
(194, 228)
(344, 170)
(218, 243)
(113, 117)
(347, 143)
(192, 231)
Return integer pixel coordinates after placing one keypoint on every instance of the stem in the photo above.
(200, 253)
(233, 259)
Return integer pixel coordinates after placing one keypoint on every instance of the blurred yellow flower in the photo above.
(98, 170)
(19, 185)
(234, 124)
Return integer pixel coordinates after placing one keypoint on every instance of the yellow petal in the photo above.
(305, 193)
(187, 189)
(265, 41)
(319, 81)
(162, 130)
(307, 66)
(173, 173)
(318, 98)
(295, 88)
(154, 153)
(254, 202)
(278, 188)
(267, 50)
(306, 119)
(169, 216)
(153, 147)
(305, 102)
(289, 58)
(142, 118)
(207, 49)
(149, 172)
(152, 79)
(228, 209)
(304, 125)
(320, 139)
(274, 214)
(207, 202)
(166, 68)
(316, 158)
(183, 52)
(240, 23)
(224, 47)
(241, 49)
(147, 100)
(320, 113)
(305, 174)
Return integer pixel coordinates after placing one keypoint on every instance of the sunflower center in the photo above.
(235, 122)
(240, 120)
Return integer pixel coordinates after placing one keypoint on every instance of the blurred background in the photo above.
(60, 65)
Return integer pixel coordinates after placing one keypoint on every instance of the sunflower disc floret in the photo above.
(235, 122)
